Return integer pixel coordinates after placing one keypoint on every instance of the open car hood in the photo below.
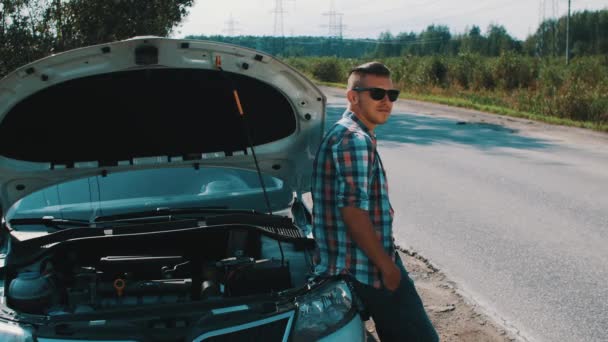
(153, 102)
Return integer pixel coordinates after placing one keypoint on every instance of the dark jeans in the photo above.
(399, 315)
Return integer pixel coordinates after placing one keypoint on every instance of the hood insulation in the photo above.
(143, 113)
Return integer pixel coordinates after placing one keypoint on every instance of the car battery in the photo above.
(261, 276)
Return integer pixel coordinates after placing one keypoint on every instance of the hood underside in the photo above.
(152, 102)
(144, 113)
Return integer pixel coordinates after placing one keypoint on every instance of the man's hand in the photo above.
(391, 276)
(362, 232)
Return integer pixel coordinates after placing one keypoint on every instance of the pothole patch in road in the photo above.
(487, 126)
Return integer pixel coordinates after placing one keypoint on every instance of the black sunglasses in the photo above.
(379, 93)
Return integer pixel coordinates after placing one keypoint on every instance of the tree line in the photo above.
(588, 36)
(32, 29)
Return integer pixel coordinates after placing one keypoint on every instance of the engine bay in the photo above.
(99, 274)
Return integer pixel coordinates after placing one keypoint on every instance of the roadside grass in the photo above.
(469, 103)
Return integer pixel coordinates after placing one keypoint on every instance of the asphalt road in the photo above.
(515, 212)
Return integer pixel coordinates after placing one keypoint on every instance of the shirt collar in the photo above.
(350, 115)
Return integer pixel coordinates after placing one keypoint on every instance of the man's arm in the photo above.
(354, 160)
(362, 233)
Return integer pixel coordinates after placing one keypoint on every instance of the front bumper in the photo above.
(268, 327)
(353, 331)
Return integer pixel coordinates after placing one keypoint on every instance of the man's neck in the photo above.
(370, 126)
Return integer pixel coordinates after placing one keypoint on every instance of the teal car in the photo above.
(154, 189)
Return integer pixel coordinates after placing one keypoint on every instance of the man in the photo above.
(353, 217)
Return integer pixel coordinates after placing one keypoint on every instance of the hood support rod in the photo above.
(237, 100)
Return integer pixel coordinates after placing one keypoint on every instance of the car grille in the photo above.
(273, 329)
(292, 231)
(268, 332)
(281, 226)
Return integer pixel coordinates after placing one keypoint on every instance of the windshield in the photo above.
(119, 193)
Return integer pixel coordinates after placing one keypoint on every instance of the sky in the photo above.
(368, 18)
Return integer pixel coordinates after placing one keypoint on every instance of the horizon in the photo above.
(367, 20)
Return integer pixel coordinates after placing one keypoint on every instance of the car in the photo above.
(153, 189)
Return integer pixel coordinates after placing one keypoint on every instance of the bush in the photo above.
(328, 70)
(546, 86)
(460, 70)
(400, 69)
(574, 101)
(512, 71)
(404, 72)
(436, 71)
(551, 77)
(577, 92)
(483, 78)
(299, 64)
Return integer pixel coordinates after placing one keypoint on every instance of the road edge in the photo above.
(505, 328)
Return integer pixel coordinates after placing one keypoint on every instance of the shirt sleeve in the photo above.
(353, 157)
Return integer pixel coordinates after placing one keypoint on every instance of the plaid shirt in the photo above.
(348, 172)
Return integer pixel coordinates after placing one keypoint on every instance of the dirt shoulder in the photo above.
(454, 318)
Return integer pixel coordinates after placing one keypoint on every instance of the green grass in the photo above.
(331, 84)
(494, 109)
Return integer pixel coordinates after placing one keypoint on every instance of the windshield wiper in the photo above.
(50, 221)
(169, 213)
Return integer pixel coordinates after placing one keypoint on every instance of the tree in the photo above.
(31, 29)
(435, 40)
(588, 35)
(500, 41)
(387, 45)
(21, 39)
(405, 41)
(473, 41)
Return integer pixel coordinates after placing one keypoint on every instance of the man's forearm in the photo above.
(363, 234)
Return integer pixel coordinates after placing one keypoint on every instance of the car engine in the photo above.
(69, 283)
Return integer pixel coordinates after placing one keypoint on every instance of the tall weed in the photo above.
(578, 91)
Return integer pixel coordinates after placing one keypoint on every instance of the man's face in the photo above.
(371, 112)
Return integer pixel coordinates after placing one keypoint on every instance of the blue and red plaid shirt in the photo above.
(348, 172)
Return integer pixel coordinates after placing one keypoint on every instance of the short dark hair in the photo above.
(371, 68)
(357, 74)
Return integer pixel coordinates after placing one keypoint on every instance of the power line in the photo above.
(568, 36)
(335, 26)
(541, 20)
(231, 27)
(455, 12)
(491, 7)
(555, 16)
(548, 25)
(365, 10)
(368, 41)
(279, 16)
(279, 27)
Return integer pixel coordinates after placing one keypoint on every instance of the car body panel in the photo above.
(122, 117)
(353, 331)
(288, 158)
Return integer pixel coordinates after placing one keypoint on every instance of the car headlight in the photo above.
(323, 310)
(14, 333)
